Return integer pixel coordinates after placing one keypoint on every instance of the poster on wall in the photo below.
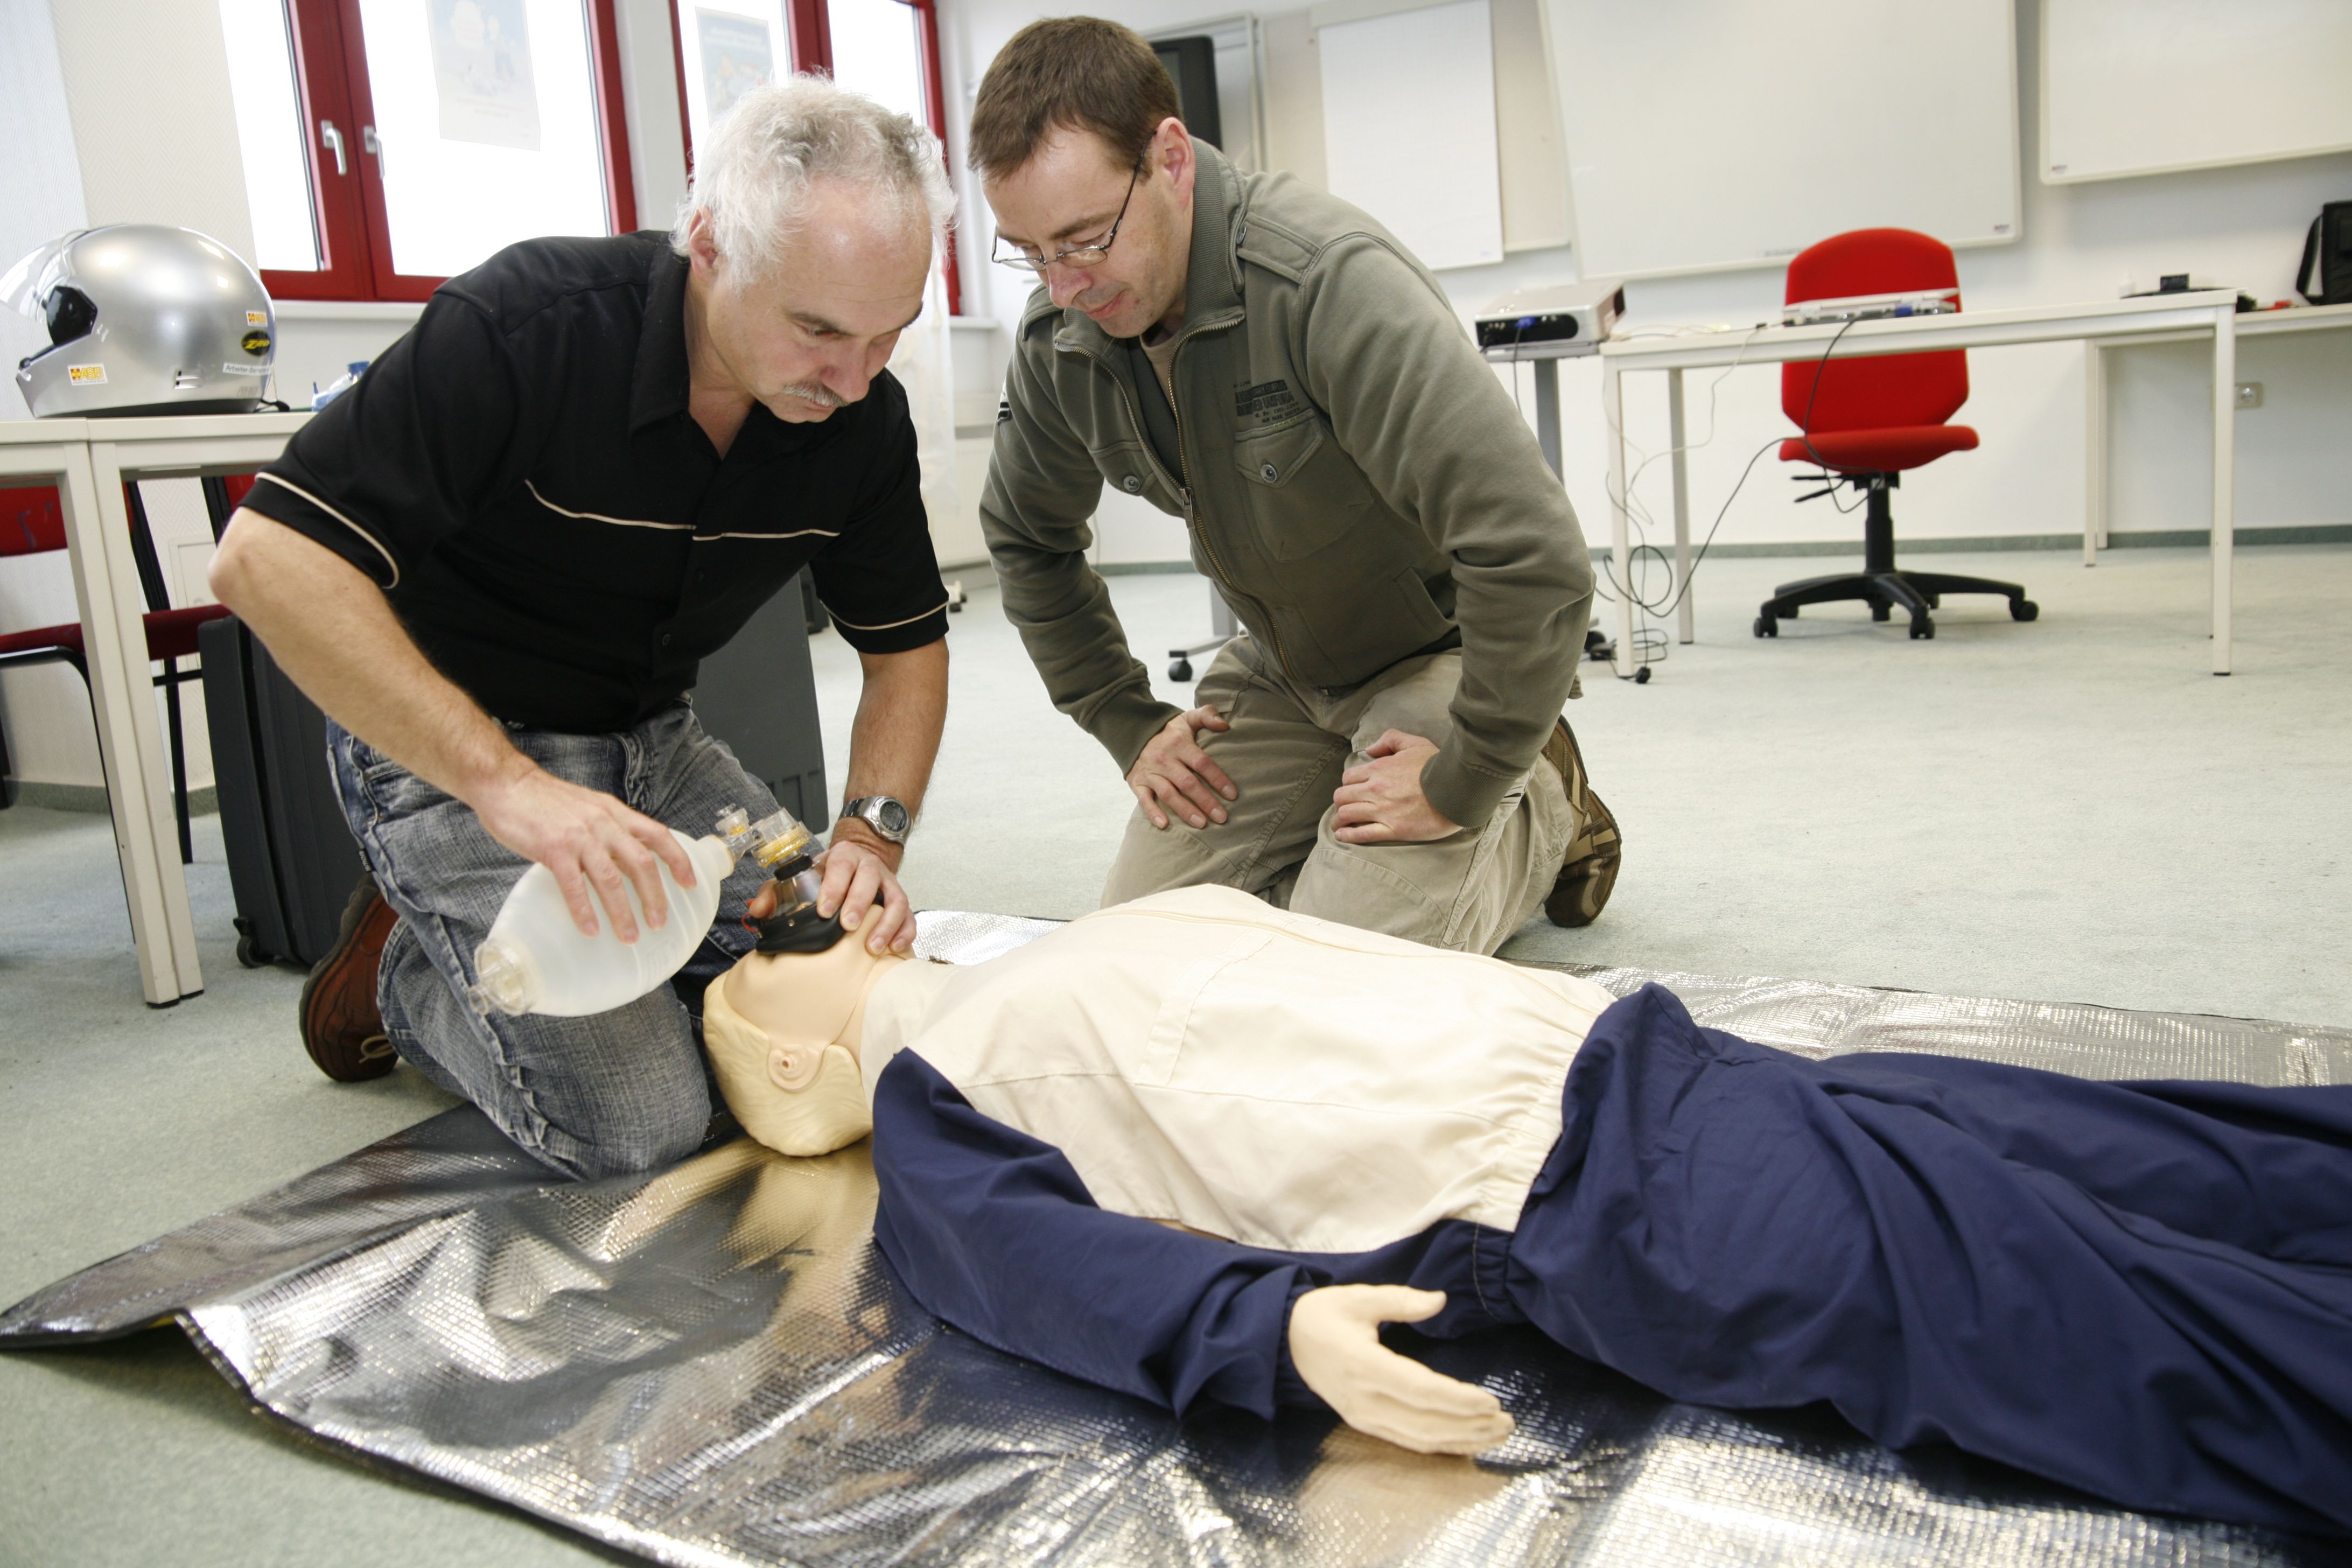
(481, 69)
(737, 56)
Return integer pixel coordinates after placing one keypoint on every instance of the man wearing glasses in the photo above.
(1384, 745)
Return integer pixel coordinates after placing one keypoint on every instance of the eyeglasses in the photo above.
(1080, 255)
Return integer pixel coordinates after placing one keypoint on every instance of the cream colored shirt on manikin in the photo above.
(1285, 1081)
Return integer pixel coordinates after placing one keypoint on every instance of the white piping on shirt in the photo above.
(599, 517)
(677, 527)
(346, 521)
(886, 625)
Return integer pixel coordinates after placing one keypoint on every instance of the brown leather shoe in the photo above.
(340, 1026)
(1590, 873)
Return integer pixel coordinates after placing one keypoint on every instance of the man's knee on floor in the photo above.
(630, 1140)
(1158, 860)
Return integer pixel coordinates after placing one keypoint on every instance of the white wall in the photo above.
(2243, 225)
(44, 711)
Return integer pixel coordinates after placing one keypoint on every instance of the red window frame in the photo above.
(331, 82)
(811, 41)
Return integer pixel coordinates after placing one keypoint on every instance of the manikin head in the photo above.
(1076, 130)
(783, 1031)
(810, 232)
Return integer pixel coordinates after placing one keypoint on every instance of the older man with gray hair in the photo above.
(496, 561)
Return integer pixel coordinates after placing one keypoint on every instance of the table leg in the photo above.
(2095, 451)
(2225, 476)
(1681, 472)
(1621, 532)
(1548, 412)
(130, 741)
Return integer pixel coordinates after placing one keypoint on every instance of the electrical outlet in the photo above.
(2250, 394)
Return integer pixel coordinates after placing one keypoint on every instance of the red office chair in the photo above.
(1865, 419)
(32, 524)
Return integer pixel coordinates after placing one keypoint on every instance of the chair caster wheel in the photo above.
(1766, 627)
(1920, 629)
(248, 953)
(1180, 669)
(2024, 610)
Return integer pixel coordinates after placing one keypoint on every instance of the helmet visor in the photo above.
(25, 286)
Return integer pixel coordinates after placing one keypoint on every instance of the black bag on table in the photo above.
(2328, 258)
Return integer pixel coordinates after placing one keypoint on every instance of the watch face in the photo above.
(890, 816)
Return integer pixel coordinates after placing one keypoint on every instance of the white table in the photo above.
(2208, 314)
(2252, 324)
(89, 460)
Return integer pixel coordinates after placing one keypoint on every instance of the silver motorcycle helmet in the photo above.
(142, 318)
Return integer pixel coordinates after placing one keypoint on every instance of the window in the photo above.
(886, 49)
(390, 143)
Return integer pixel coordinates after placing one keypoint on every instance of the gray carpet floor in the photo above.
(2073, 809)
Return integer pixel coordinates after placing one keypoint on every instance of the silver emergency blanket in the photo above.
(713, 1366)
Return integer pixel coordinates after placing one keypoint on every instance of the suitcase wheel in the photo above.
(250, 953)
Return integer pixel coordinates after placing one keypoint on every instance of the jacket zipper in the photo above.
(1184, 487)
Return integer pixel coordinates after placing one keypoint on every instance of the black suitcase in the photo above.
(291, 860)
(759, 695)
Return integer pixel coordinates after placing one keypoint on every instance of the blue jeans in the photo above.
(619, 1091)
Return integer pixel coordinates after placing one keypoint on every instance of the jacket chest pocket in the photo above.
(1304, 492)
(1125, 467)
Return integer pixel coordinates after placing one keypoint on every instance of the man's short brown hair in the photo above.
(1075, 71)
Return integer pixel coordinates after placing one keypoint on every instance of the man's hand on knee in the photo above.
(588, 839)
(1380, 799)
(1175, 774)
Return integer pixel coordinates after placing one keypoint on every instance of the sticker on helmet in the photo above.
(247, 369)
(256, 318)
(82, 373)
(255, 342)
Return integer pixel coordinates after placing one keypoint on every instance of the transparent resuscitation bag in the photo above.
(535, 959)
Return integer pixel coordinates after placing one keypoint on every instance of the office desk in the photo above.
(2252, 324)
(89, 460)
(2211, 313)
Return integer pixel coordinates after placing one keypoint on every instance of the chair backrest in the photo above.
(1879, 391)
(31, 522)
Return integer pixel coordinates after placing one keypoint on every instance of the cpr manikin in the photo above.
(2143, 1290)
(784, 1032)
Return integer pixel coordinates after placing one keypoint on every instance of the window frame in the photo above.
(347, 206)
(809, 37)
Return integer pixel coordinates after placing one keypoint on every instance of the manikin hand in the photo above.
(587, 838)
(1335, 1344)
(1380, 799)
(1174, 772)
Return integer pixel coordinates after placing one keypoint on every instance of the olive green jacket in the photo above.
(1355, 480)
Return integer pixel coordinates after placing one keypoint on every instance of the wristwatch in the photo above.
(886, 815)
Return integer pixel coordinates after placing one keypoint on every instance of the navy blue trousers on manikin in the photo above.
(2143, 1289)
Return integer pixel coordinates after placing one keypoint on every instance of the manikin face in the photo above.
(782, 1031)
(1069, 193)
(812, 335)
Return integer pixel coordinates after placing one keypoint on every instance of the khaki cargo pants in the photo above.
(1285, 751)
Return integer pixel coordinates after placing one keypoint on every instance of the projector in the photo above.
(1550, 323)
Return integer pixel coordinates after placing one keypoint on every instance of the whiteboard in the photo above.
(1705, 135)
(2142, 87)
(1409, 127)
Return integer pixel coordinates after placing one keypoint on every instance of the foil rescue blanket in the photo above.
(713, 1366)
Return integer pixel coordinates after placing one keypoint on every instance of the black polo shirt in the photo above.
(521, 477)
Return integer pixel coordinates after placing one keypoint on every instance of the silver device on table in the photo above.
(1544, 326)
(142, 318)
(1871, 307)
